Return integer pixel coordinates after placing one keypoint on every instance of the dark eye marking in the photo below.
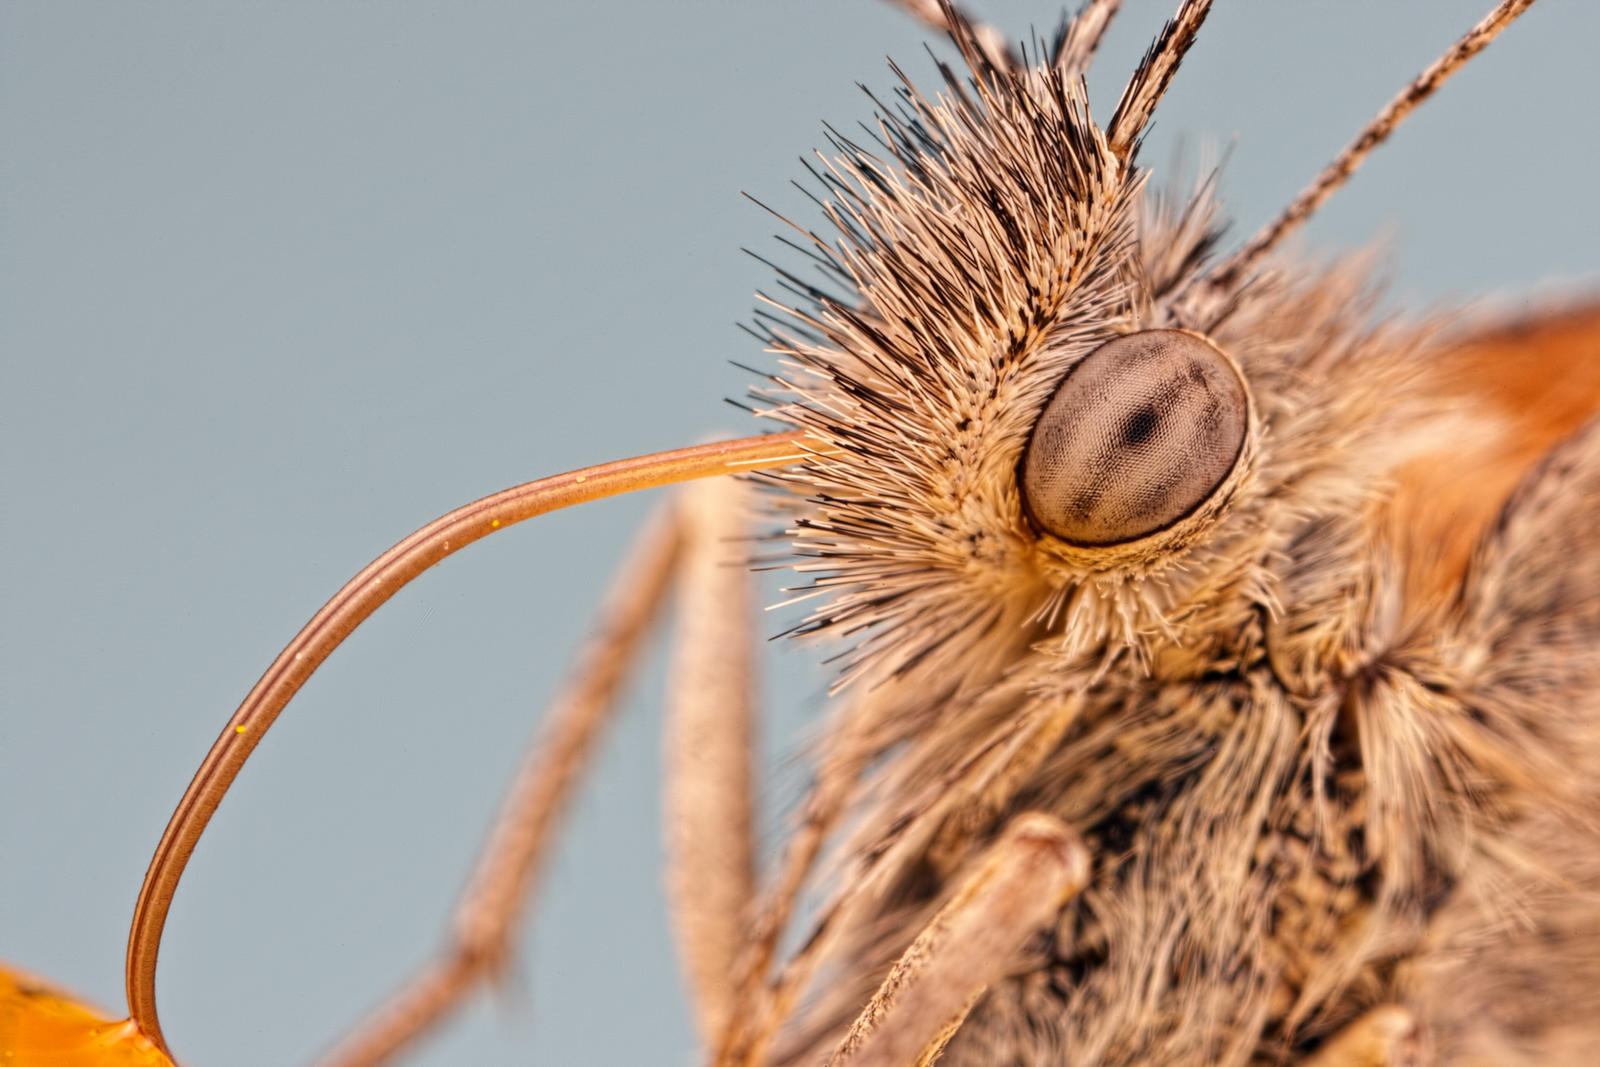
(1140, 426)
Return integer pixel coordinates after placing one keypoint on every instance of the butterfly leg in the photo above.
(1386, 1036)
(1016, 889)
(707, 747)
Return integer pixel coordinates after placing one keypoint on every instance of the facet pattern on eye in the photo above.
(1138, 435)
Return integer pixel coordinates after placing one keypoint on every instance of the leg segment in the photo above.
(1383, 1037)
(1022, 881)
(707, 742)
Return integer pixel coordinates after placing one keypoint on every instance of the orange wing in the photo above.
(1531, 382)
(40, 1026)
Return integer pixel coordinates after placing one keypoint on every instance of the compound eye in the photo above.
(1140, 433)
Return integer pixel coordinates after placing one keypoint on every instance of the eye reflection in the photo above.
(1140, 433)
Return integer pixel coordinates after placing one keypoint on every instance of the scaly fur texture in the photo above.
(1311, 781)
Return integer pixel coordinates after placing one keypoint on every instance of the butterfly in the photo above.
(1236, 164)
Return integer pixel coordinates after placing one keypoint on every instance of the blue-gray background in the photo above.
(279, 282)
